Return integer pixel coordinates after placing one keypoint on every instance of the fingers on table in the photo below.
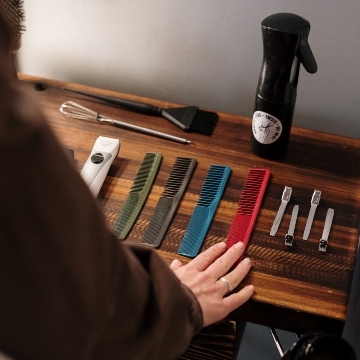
(237, 299)
(235, 276)
(225, 262)
(176, 264)
(206, 258)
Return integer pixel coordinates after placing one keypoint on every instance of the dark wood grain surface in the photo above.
(214, 342)
(297, 289)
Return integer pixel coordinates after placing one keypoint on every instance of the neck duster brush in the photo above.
(13, 11)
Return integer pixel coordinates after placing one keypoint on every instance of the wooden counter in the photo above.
(297, 289)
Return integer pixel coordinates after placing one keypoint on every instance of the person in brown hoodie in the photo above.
(68, 288)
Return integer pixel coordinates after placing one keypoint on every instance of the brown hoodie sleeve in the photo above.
(68, 288)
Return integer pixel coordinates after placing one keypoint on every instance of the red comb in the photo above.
(248, 206)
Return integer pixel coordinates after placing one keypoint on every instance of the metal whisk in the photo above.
(76, 111)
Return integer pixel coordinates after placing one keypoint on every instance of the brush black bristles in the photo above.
(190, 118)
(204, 122)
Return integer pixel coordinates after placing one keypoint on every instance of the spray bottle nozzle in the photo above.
(306, 56)
(297, 28)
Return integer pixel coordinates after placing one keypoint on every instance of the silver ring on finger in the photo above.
(227, 282)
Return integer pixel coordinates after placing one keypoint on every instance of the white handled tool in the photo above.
(97, 165)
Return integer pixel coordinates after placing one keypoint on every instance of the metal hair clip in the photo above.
(314, 203)
(284, 200)
(324, 238)
(289, 237)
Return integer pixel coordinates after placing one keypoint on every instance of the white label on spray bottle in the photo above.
(266, 128)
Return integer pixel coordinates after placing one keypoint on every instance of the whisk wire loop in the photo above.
(76, 111)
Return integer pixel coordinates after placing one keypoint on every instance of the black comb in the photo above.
(169, 200)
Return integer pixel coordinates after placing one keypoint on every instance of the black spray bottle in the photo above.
(285, 40)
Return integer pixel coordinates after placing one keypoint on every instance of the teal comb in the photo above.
(138, 193)
(204, 210)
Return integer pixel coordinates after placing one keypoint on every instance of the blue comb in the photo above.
(204, 210)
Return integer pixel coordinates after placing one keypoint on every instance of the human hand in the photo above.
(203, 276)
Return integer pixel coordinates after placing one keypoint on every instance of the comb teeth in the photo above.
(204, 211)
(177, 174)
(250, 193)
(248, 207)
(165, 209)
(137, 194)
(144, 171)
(212, 184)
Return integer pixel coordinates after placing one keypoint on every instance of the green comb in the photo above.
(137, 195)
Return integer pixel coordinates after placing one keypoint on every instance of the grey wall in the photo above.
(197, 52)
